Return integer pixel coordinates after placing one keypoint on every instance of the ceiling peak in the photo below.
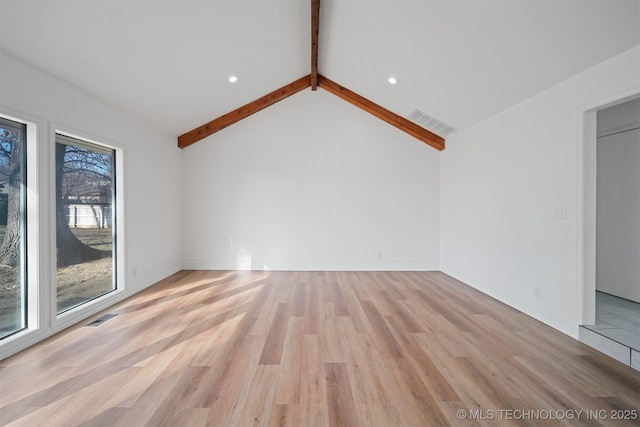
(313, 80)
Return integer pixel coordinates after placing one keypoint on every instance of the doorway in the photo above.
(611, 224)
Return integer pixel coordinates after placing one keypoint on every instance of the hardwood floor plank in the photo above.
(337, 298)
(47, 381)
(175, 410)
(106, 418)
(228, 390)
(288, 386)
(85, 398)
(281, 294)
(423, 406)
(272, 352)
(312, 313)
(356, 314)
(370, 390)
(400, 311)
(256, 408)
(339, 396)
(381, 329)
(432, 377)
(312, 409)
(331, 349)
(449, 312)
(210, 344)
(391, 392)
(197, 417)
(279, 416)
(223, 348)
(140, 381)
(299, 303)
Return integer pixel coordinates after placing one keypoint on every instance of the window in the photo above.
(85, 222)
(13, 286)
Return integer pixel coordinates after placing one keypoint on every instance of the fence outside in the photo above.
(88, 216)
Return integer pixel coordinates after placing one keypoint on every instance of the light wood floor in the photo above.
(306, 349)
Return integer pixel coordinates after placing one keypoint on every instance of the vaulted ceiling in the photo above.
(459, 61)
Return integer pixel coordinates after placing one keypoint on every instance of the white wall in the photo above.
(618, 201)
(502, 181)
(152, 176)
(311, 183)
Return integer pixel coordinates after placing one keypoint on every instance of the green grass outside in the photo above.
(75, 283)
(99, 238)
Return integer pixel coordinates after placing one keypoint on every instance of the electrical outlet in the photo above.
(380, 254)
(134, 271)
(560, 214)
(537, 292)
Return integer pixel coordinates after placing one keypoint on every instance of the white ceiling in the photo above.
(460, 61)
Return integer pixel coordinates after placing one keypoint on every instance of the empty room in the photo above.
(319, 212)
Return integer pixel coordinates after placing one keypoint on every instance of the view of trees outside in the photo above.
(85, 190)
(12, 201)
(84, 222)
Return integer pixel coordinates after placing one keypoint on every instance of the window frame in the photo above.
(103, 149)
(73, 315)
(34, 238)
(21, 127)
(42, 321)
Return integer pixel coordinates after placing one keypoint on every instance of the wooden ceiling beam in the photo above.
(315, 28)
(382, 113)
(238, 114)
(313, 80)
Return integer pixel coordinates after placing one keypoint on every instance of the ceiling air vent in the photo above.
(430, 123)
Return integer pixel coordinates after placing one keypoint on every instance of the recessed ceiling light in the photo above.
(233, 78)
(392, 80)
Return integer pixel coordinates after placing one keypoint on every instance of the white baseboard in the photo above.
(536, 308)
(282, 264)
